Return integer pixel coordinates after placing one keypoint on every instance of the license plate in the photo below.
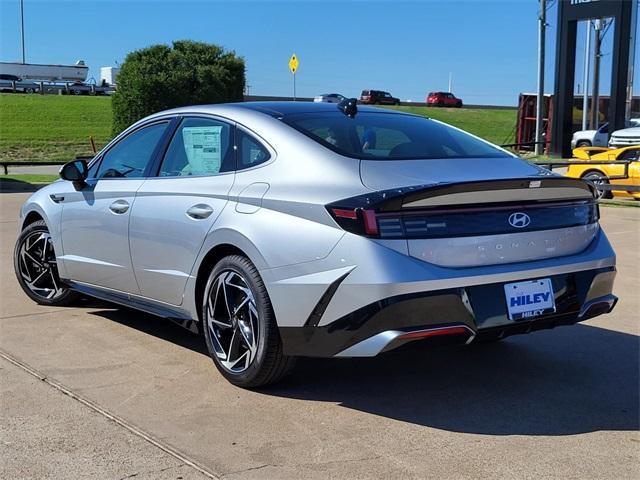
(529, 299)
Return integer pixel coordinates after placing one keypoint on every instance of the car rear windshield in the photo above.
(389, 136)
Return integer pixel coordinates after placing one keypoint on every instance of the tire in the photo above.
(36, 269)
(597, 178)
(459, 105)
(583, 143)
(243, 341)
(440, 104)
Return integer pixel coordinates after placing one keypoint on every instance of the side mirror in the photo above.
(75, 171)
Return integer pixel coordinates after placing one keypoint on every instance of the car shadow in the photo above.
(564, 381)
(158, 327)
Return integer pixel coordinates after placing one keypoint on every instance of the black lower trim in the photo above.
(323, 303)
(164, 311)
(481, 307)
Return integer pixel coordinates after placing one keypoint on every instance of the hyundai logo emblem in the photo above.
(519, 220)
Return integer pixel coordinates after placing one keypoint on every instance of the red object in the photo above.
(435, 333)
(378, 97)
(443, 99)
(343, 213)
(370, 222)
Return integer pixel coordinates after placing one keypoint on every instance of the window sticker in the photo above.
(202, 146)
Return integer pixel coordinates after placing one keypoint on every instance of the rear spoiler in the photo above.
(477, 193)
(585, 153)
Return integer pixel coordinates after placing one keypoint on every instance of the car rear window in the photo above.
(386, 136)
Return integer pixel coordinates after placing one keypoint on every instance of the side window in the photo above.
(129, 157)
(250, 151)
(199, 147)
(630, 155)
(93, 170)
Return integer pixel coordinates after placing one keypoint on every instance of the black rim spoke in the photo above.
(38, 266)
(232, 320)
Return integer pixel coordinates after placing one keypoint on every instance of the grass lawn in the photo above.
(28, 178)
(51, 127)
(495, 125)
(57, 128)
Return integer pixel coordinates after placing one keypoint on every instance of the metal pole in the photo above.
(634, 40)
(22, 28)
(542, 25)
(450, 78)
(595, 114)
(294, 87)
(585, 78)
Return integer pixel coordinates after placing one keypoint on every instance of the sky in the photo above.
(408, 48)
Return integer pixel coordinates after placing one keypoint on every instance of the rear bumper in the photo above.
(461, 315)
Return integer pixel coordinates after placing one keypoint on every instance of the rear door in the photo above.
(95, 219)
(175, 209)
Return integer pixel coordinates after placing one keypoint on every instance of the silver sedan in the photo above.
(281, 230)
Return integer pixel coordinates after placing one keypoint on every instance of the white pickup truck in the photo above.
(596, 138)
(625, 137)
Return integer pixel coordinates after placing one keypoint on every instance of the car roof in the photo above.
(272, 109)
(280, 109)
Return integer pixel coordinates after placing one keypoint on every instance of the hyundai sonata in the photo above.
(281, 230)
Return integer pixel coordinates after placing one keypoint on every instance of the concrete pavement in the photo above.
(553, 404)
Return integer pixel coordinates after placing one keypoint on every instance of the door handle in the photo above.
(119, 206)
(56, 198)
(200, 211)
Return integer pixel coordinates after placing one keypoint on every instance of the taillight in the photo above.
(356, 220)
(397, 213)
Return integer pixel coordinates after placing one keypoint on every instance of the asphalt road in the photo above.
(99, 391)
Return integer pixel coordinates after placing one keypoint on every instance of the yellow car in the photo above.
(607, 168)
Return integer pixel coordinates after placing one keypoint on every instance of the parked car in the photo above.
(11, 78)
(329, 98)
(443, 99)
(269, 228)
(625, 137)
(596, 138)
(613, 172)
(7, 83)
(378, 97)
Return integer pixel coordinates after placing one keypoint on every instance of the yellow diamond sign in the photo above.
(293, 64)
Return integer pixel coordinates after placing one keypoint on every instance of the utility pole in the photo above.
(542, 25)
(450, 79)
(585, 77)
(22, 28)
(595, 113)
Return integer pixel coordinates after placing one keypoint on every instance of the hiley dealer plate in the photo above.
(529, 299)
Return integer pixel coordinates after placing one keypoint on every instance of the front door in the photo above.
(175, 210)
(95, 219)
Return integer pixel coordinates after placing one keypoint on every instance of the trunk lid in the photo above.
(462, 214)
(387, 174)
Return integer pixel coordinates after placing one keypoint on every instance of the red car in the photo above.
(443, 99)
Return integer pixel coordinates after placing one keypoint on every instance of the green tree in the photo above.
(187, 73)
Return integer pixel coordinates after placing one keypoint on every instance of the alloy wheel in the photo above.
(38, 266)
(598, 181)
(232, 319)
